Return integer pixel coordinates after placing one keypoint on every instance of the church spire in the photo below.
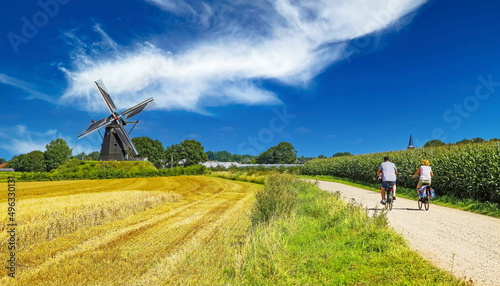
(410, 144)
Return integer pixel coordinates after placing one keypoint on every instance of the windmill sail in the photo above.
(95, 126)
(145, 105)
(105, 95)
(127, 142)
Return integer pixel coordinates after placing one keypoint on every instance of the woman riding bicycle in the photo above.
(425, 175)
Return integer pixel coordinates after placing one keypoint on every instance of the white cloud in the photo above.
(19, 140)
(191, 136)
(302, 130)
(27, 87)
(241, 44)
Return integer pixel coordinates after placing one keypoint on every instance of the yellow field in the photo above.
(143, 231)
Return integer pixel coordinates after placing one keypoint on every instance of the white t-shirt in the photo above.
(425, 173)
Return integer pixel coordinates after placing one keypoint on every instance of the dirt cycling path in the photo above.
(465, 243)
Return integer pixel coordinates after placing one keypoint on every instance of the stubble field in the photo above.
(143, 231)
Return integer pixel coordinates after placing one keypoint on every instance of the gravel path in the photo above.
(465, 243)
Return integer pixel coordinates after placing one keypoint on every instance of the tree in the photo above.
(210, 156)
(247, 159)
(237, 158)
(266, 157)
(2, 160)
(223, 156)
(434, 143)
(340, 154)
(283, 153)
(473, 140)
(57, 153)
(151, 149)
(80, 156)
(34, 161)
(190, 152)
(321, 156)
(15, 163)
(94, 156)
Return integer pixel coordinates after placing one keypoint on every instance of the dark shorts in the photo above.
(387, 184)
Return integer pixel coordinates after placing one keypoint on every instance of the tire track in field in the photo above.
(118, 237)
(178, 251)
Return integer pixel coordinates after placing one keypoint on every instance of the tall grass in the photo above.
(279, 197)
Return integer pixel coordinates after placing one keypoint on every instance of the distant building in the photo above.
(3, 169)
(410, 144)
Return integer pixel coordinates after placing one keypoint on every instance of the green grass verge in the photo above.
(325, 241)
(4, 176)
(485, 208)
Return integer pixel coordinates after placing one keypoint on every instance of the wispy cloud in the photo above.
(302, 130)
(25, 86)
(241, 44)
(191, 136)
(356, 142)
(20, 140)
(106, 38)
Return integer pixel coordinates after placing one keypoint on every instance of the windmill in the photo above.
(116, 144)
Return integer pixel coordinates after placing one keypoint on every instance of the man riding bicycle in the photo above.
(388, 171)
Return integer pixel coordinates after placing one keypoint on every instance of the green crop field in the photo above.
(469, 171)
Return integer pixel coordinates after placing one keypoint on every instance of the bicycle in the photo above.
(425, 200)
(389, 194)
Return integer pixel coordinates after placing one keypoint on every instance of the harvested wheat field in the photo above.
(142, 231)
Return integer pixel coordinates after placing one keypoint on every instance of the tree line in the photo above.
(438, 143)
(56, 153)
(186, 153)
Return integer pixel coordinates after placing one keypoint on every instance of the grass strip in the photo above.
(326, 241)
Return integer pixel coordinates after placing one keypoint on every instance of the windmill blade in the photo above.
(105, 95)
(145, 105)
(94, 126)
(127, 142)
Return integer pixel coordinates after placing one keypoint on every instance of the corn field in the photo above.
(469, 171)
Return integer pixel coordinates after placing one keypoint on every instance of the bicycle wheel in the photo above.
(389, 200)
(427, 201)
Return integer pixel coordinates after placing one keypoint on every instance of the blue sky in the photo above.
(327, 76)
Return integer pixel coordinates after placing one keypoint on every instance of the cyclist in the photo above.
(388, 171)
(425, 175)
